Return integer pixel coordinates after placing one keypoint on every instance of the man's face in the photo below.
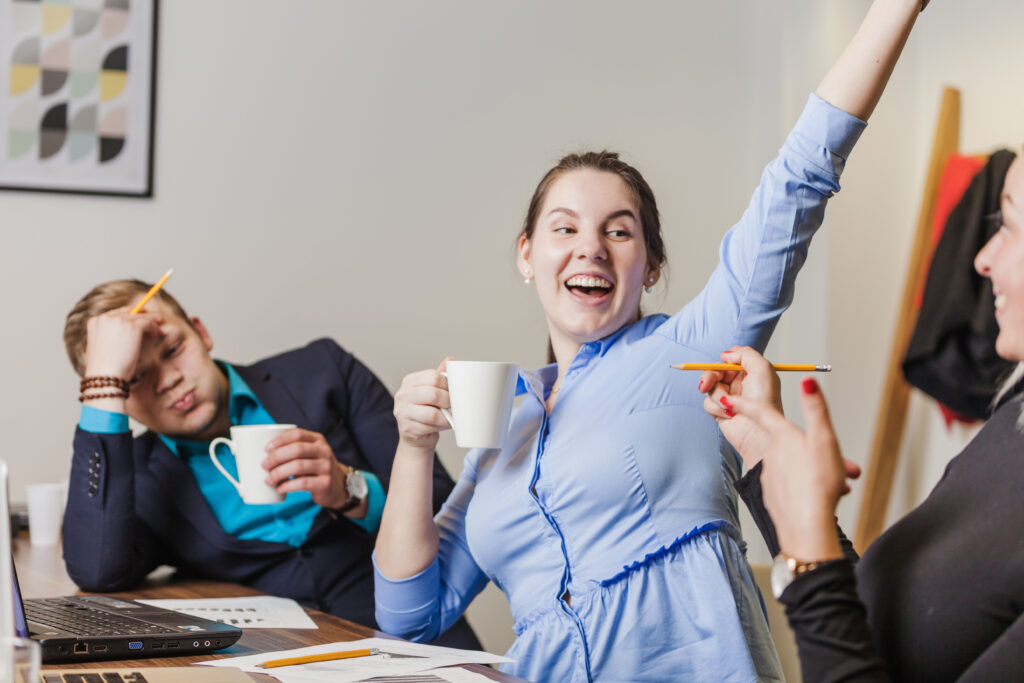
(177, 390)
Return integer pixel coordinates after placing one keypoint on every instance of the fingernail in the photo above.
(730, 413)
(700, 385)
(809, 386)
(726, 403)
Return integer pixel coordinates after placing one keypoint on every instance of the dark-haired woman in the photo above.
(609, 517)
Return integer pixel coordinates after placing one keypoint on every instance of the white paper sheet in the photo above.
(257, 611)
(405, 658)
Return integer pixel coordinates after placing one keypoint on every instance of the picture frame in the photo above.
(78, 96)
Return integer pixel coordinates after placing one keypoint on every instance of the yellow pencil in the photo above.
(780, 367)
(152, 291)
(325, 657)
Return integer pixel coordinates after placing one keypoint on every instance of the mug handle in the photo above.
(447, 412)
(213, 456)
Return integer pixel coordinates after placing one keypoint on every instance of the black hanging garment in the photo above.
(952, 355)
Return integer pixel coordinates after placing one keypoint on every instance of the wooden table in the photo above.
(41, 574)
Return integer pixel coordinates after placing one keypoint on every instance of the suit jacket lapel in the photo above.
(275, 396)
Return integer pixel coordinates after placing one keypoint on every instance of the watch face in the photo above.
(355, 483)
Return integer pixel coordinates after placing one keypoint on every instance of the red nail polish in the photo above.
(730, 413)
(726, 403)
(809, 386)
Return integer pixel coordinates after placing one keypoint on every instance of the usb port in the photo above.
(134, 644)
(171, 645)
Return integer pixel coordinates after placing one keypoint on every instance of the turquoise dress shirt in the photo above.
(611, 523)
(286, 522)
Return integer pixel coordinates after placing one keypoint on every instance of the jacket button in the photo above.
(93, 491)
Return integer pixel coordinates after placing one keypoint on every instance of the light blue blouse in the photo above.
(622, 497)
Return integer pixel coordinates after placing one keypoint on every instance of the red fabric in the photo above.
(956, 176)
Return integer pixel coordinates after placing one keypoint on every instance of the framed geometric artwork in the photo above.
(77, 95)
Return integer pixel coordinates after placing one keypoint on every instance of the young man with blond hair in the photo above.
(135, 503)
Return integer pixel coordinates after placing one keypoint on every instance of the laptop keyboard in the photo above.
(82, 620)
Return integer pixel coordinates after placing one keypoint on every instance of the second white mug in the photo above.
(248, 444)
(481, 394)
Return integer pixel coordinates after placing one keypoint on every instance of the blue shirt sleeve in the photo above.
(102, 421)
(760, 256)
(423, 606)
(375, 498)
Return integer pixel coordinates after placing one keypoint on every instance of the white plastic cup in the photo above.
(481, 394)
(45, 512)
(248, 444)
(19, 660)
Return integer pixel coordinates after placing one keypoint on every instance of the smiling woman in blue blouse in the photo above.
(609, 518)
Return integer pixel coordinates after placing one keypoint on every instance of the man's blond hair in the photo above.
(99, 300)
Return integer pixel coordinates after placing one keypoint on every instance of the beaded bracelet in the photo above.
(83, 397)
(100, 381)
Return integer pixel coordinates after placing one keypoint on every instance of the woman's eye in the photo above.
(619, 233)
(565, 229)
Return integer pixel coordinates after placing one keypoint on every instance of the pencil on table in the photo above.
(779, 367)
(325, 657)
(152, 291)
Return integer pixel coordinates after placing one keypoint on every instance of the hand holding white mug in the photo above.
(301, 460)
(418, 404)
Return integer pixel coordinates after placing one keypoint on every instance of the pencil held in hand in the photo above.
(779, 367)
(152, 291)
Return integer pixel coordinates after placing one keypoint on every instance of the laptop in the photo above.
(91, 627)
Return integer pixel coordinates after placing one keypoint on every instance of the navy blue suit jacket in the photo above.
(134, 505)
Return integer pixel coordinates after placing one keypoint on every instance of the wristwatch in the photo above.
(786, 568)
(355, 484)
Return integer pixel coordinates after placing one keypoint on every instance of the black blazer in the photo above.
(133, 505)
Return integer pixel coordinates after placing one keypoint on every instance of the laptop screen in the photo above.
(20, 623)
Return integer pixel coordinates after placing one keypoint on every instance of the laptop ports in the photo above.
(134, 644)
(99, 648)
(157, 646)
(81, 648)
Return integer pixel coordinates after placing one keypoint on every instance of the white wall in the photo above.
(360, 170)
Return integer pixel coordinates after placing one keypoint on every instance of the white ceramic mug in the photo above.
(45, 512)
(248, 445)
(481, 395)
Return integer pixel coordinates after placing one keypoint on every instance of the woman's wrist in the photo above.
(811, 539)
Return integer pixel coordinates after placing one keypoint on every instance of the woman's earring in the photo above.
(650, 284)
(527, 276)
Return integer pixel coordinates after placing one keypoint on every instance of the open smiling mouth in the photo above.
(589, 287)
